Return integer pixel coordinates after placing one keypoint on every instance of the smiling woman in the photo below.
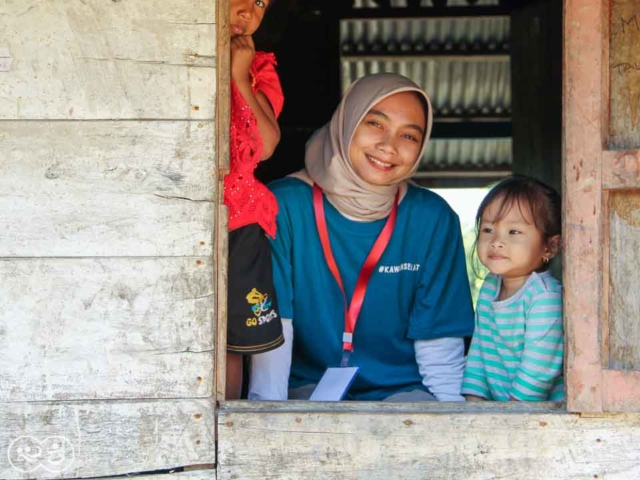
(369, 270)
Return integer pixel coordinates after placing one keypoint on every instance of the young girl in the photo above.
(254, 325)
(517, 347)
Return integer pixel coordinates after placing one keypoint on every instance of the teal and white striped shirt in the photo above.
(518, 343)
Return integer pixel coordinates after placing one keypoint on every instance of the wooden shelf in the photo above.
(464, 118)
(458, 178)
(424, 12)
(412, 56)
(470, 130)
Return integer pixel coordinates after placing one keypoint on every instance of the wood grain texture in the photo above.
(223, 93)
(222, 280)
(624, 75)
(200, 474)
(621, 391)
(383, 445)
(223, 123)
(621, 169)
(583, 92)
(80, 329)
(105, 438)
(365, 408)
(624, 280)
(96, 59)
(107, 189)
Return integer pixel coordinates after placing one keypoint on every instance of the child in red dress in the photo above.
(254, 324)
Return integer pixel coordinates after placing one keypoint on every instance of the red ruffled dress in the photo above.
(248, 200)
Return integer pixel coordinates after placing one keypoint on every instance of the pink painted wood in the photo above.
(590, 174)
(582, 232)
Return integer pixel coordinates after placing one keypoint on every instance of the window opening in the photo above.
(463, 59)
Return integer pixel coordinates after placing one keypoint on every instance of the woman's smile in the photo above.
(377, 163)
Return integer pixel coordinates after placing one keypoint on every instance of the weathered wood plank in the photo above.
(102, 60)
(381, 445)
(222, 280)
(624, 75)
(204, 474)
(621, 391)
(106, 328)
(621, 169)
(81, 440)
(292, 406)
(223, 119)
(223, 94)
(582, 231)
(624, 280)
(107, 188)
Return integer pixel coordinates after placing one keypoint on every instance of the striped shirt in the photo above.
(518, 343)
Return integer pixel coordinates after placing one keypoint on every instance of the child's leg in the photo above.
(253, 321)
(234, 376)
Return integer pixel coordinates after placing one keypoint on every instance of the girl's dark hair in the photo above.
(543, 201)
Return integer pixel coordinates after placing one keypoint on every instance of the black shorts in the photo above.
(254, 324)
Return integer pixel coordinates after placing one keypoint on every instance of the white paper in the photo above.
(334, 384)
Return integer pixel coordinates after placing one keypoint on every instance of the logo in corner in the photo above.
(53, 454)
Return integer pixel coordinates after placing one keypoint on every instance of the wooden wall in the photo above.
(108, 205)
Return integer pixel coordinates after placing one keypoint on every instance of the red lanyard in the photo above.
(352, 310)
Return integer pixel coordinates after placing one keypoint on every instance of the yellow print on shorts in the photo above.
(260, 303)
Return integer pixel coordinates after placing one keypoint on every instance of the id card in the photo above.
(334, 384)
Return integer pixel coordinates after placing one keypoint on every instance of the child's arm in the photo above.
(541, 362)
(242, 53)
(474, 381)
(473, 398)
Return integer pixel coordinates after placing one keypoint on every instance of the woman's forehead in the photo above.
(406, 104)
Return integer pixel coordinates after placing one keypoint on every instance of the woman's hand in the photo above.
(242, 52)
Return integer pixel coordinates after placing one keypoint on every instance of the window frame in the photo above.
(589, 173)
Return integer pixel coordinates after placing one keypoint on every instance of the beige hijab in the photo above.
(327, 161)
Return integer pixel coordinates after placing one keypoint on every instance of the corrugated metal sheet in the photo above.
(468, 155)
(423, 3)
(456, 87)
(472, 34)
(461, 85)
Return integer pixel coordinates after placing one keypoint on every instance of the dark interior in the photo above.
(492, 68)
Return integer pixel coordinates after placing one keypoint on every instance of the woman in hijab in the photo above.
(369, 269)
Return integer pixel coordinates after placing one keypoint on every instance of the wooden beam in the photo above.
(470, 130)
(418, 441)
(583, 90)
(425, 13)
(221, 234)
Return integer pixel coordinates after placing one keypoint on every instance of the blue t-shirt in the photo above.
(418, 291)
